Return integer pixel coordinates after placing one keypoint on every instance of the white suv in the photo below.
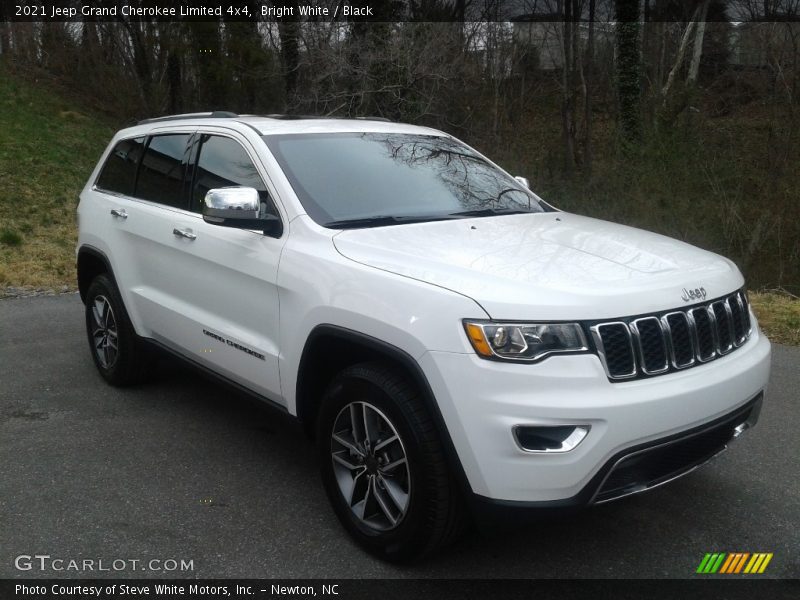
(452, 342)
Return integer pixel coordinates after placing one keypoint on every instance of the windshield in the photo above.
(369, 179)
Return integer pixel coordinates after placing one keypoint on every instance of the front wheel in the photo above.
(383, 465)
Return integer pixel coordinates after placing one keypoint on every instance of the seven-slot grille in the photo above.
(656, 344)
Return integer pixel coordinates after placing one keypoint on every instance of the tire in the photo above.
(118, 354)
(398, 511)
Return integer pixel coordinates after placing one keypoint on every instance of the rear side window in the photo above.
(223, 162)
(119, 172)
(163, 169)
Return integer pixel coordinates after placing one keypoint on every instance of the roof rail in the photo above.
(224, 114)
(217, 114)
(284, 117)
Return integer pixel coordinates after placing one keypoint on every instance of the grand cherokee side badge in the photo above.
(695, 294)
(234, 344)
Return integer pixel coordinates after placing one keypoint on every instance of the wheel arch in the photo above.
(91, 263)
(331, 348)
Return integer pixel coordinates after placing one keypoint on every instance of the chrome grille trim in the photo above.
(714, 328)
(706, 326)
(739, 301)
(696, 331)
(668, 337)
(597, 335)
(725, 321)
(749, 321)
(637, 336)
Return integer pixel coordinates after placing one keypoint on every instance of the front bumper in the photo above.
(482, 401)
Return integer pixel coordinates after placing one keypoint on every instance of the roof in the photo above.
(282, 124)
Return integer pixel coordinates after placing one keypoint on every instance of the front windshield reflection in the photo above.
(340, 177)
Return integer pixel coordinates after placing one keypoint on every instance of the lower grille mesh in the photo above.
(649, 467)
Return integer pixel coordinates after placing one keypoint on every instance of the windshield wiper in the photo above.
(488, 212)
(383, 220)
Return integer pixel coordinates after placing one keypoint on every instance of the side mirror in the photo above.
(238, 207)
(524, 181)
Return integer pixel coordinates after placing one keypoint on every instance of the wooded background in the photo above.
(678, 116)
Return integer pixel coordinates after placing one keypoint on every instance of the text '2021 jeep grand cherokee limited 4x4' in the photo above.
(448, 338)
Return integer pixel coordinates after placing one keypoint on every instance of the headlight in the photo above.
(524, 341)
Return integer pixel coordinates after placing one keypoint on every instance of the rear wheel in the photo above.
(117, 352)
(383, 465)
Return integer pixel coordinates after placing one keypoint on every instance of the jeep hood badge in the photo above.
(695, 294)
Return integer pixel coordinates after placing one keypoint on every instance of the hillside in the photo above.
(48, 147)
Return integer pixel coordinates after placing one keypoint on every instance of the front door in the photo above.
(227, 316)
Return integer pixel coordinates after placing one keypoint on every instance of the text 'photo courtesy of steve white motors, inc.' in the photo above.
(168, 590)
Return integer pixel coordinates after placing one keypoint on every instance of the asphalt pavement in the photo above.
(187, 470)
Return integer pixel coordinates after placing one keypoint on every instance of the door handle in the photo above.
(119, 212)
(184, 234)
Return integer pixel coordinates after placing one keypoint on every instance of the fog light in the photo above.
(549, 438)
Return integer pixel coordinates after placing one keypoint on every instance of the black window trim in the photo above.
(194, 133)
(147, 136)
(184, 192)
(194, 153)
(97, 188)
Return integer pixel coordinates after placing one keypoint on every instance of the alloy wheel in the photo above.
(104, 332)
(371, 466)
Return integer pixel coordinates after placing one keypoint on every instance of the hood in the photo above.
(549, 266)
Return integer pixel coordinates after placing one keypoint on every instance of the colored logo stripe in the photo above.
(758, 563)
(734, 562)
(732, 559)
(711, 562)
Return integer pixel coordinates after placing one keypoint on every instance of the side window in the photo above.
(119, 172)
(163, 169)
(223, 162)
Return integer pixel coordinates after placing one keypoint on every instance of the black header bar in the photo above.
(706, 587)
(379, 11)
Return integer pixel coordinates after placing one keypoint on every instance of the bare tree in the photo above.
(587, 92)
(289, 29)
(5, 30)
(567, 84)
(628, 70)
(694, 67)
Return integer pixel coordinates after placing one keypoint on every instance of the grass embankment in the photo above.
(49, 146)
(778, 315)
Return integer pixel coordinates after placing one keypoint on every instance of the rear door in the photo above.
(140, 215)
